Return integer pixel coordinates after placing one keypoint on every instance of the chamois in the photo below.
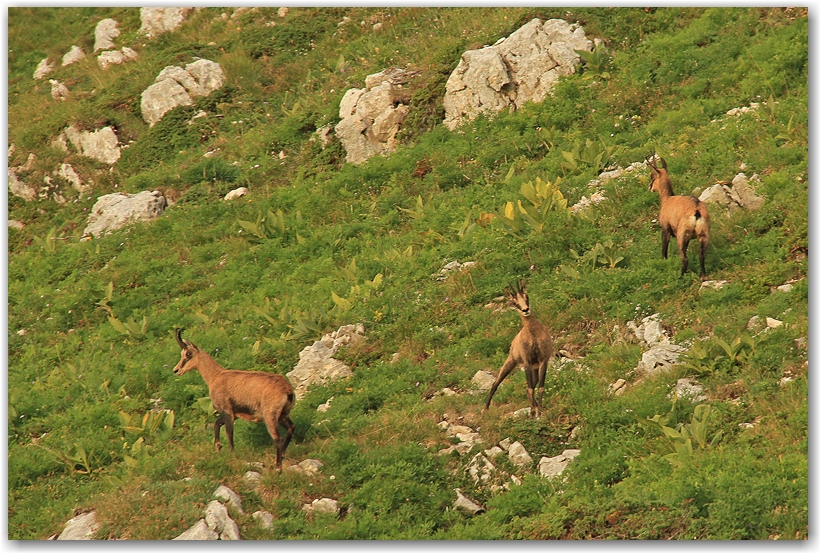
(531, 349)
(683, 217)
(251, 395)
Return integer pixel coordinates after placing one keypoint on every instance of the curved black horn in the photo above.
(178, 334)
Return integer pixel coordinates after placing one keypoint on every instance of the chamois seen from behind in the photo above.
(684, 217)
(531, 349)
(251, 395)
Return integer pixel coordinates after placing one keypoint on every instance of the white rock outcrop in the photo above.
(230, 497)
(113, 57)
(199, 532)
(104, 34)
(81, 527)
(372, 116)
(156, 21)
(466, 504)
(264, 518)
(218, 520)
(237, 193)
(519, 455)
(43, 68)
(741, 195)
(177, 86)
(520, 68)
(101, 145)
(483, 380)
(324, 505)
(59, 91)
(19, 188)
(115, 211)
(316, 363)
(67, 172)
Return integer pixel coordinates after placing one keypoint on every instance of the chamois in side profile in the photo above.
(251, 395)
(683, 217)
(531, 349)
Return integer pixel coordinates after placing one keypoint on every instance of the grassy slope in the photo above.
(674, 74)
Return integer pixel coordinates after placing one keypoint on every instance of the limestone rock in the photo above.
(230, 497)
(660, 357)
(234, 194)
(550, 467)
(252, 478)
(264, 518)
(59, 91)
(218, 520)
(483, 380)
(176, 86)
(101, 145)
(323, 408)
(104, 34)
(687, 388)
(308, 466)
(519, 456)
(115, 211)
(465, 504)
(19, 188)
(43, 68)
(746, 196)
(618, 387)
(67, 172)
(316, 363)
(513, 71)
(714, 284)
(156, 21)
(198, 531)
(113, 57)
(324, 505)
(372, 116)
(74, 55)
(480, 468)
(81, 527)
(16, 225)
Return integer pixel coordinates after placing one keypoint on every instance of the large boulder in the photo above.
(156, 21)
(176, 86)
(218, 521)
(105, 33)
(316, 363)
(101, 145)
(372, 116)
(115, 211)
(513, 71)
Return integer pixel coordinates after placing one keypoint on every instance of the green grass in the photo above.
(673, 75)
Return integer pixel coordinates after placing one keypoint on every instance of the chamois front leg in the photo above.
(217, 425)
(542, 373)
(506, 369)
(532, 381)
(664, 241)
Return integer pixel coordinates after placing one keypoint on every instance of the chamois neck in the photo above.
(528, 320)
(208, 367)
(665, 189)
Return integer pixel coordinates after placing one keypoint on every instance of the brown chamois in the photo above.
(251, 395)
(684, 217)
(531, 349)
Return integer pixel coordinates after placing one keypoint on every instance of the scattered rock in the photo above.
(176, 86)
(513, 71)
(585, 203)
(754, 324)
(734, 112)
(198, 531)
(104, 34)
(453, 266)
(505, 444)
(308, 466)
(74, 55)
(282, 12)
(773, 323)
(550, 467)
(618, 387)
(43, 68)
(324, 406)
(316, 363)
(660, 357)
(483, 380)
(115, 57)
(101, 145)
(686, 388)
(81, 527)
(324, 505)
(67, 172)
(264, 518)
(19, 188)
(650, 329)
(252, 478)
(785, 380)
(156, 21)
(714, 284)
(372, 116)
(115, 211)
(237, 193)
(741, 195)
(467, 505)
(59, 91)
(493, 452)
(785, 287)
(218, 520)
(480, 468)
(522, 413)
(16, 225)
(230, 497)
(519, 456)
(800, 343)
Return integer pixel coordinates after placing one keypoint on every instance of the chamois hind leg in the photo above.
(664, 242)
(271, 421)
(229, 428)
(683, 244)
(506, 369)
(217, 425)
(542, 373)
(532, 380)
(703, 244)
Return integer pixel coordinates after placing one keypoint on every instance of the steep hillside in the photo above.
(319, 243)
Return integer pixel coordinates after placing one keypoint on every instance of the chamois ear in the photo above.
(522, 286)
(663, 163)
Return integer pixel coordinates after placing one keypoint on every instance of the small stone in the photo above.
(754, 323)
(773, 323)
(483, 380)
(252, 478)
(689, 389)
(550, 467)
(324, 406)
(75, 54)
(519, 456)
(618, 387)
(324, 505)
(493, 452)
(785, 380)
(505, 444)
(785, 288)
(466, 504)
(43, 68)
(237, 193)
(714, 284)
(264, 518)
(16, 225)
(81, 527)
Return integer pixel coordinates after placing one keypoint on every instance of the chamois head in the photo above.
(189, 351)
(660, 176)
(519, 300)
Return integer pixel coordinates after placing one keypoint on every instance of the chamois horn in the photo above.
(178, 334)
